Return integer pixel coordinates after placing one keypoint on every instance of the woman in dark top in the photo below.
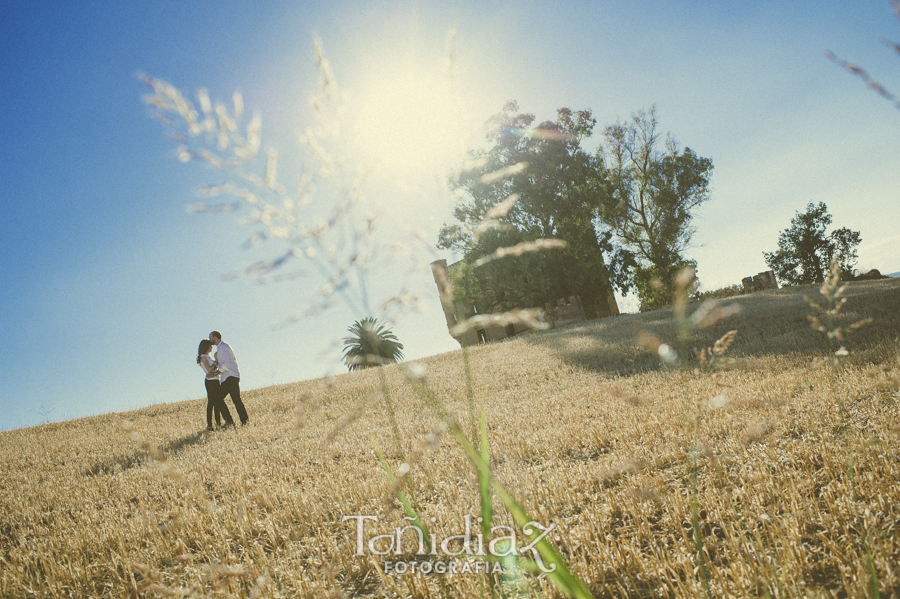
(214, 400)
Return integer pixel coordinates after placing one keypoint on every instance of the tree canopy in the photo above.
(805, 250)
(626, 212)
(533, 183)
(654, 190)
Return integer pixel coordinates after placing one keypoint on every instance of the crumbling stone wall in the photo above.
(872, 275)
(760, 282)
(565, 311)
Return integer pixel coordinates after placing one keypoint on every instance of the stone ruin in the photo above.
(566, 311)
(766, 280)
(872, 275)
(762, 281)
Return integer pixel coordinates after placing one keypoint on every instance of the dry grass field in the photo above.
(796, 488)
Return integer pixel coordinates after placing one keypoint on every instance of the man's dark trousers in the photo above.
(232, 386)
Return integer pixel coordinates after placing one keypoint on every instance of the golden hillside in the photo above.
(795, 492)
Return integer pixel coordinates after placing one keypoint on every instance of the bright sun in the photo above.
(406, 121)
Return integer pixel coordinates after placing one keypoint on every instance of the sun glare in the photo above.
(406, 122)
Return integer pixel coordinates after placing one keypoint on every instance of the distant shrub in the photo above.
(722, 292)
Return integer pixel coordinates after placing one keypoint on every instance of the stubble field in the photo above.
(796, 488)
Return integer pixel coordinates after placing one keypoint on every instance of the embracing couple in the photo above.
(222, 378)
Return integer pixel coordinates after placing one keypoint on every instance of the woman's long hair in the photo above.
(205, 346)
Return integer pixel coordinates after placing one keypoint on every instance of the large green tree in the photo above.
(654, 190)
(557, 188)
(805, 250)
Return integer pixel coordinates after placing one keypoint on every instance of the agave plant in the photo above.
(371, 344)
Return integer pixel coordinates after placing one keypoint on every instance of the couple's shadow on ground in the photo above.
(143, 456)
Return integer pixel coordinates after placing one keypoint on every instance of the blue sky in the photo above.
(109, 283)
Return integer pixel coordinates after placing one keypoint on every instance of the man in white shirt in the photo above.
(230, 377)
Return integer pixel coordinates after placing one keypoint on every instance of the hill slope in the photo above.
(586, 430)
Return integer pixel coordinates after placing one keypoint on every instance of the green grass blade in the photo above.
(404, 501)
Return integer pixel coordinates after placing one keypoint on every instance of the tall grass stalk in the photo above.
(560, 573)
(710, 359)
(832, 291)
(408, 508)
(683, 283)
(479, 430)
